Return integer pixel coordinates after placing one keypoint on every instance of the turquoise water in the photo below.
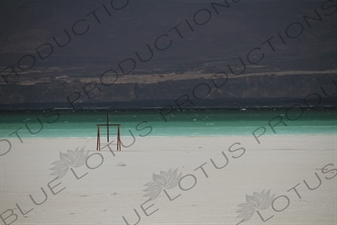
(151, 123)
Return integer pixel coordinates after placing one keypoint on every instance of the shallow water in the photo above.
(151, 123)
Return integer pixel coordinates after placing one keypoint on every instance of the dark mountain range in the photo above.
(124, 54)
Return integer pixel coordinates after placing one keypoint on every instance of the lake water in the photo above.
(151, 123)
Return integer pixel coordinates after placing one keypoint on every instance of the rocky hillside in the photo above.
(151, 54)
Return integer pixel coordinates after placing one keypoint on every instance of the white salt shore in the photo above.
(105, 189)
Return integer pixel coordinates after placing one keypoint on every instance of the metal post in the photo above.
(97, 145)
(107, 123)
(99, 138)
(119, 147)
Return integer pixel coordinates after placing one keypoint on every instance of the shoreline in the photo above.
(176, 136)
(156, 109)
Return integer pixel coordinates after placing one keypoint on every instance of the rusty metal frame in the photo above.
(98, 146)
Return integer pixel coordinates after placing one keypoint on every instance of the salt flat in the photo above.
(105, 187)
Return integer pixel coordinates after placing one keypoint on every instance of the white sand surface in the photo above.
(114, 189)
